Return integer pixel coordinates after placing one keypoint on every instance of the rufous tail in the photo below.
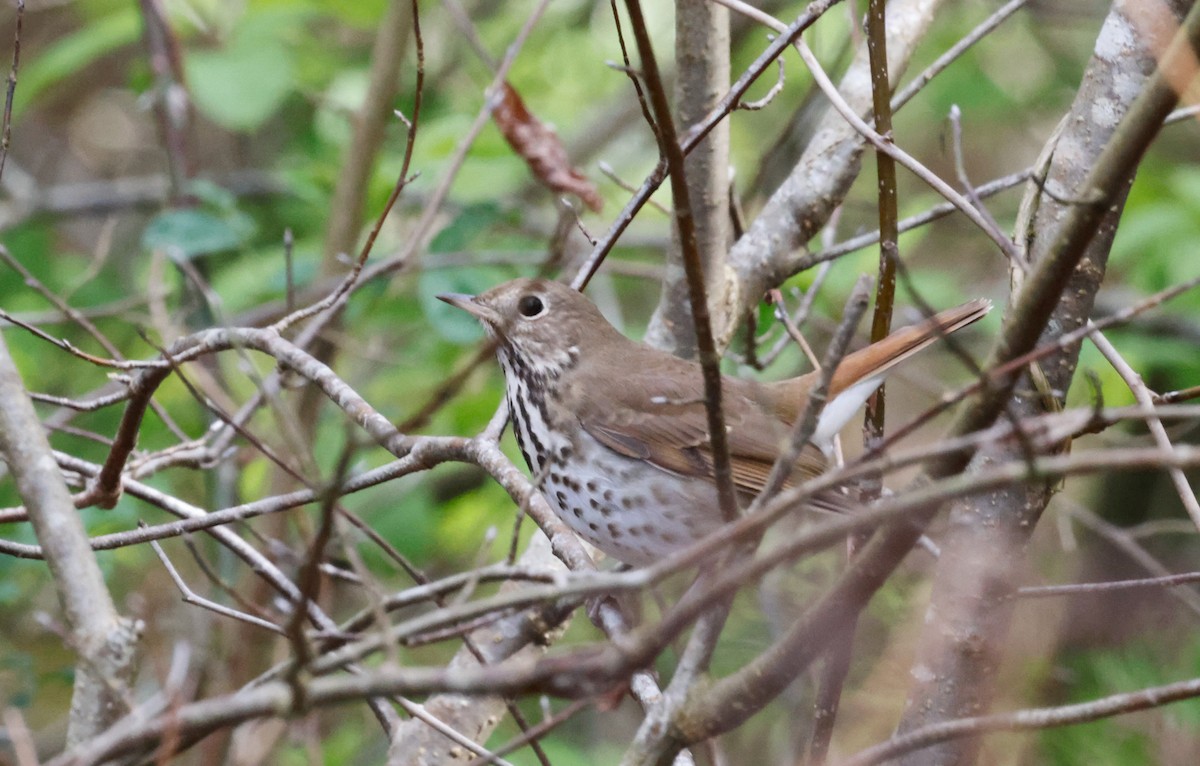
(878, 358)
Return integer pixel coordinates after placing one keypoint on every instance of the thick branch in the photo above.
(105, 641)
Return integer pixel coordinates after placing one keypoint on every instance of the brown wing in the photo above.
(656, 413)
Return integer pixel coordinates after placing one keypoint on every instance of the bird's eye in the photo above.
(530, 306)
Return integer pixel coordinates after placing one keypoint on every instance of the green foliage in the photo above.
(244, 83)
(74, 52)
(1161, 224)
(187, 233)
(1098, 673)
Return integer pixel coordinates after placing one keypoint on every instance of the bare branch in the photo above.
(1028, 720)
(105, 641)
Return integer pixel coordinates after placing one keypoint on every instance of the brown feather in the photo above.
(789, 397)
(662, 418)
(657, 414)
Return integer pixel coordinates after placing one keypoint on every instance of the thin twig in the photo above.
(534, 732)
(1028, 720)
(1144, 397)
(417, 710)
(21, 738)
(941, 210)
(955, 51)
(768, 97)
(695, 134)
(6, 141)
(1089, 588)
(191, 597)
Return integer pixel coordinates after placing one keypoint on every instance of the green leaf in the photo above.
(191, 232)
(212, 195)
(242, 85)
(342, 98)
(464, 230)
(73, 53)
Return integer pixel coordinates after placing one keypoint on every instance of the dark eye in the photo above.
(530, 306)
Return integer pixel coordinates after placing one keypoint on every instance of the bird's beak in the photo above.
(468, 304)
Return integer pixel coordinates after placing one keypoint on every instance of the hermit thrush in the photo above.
(617, 431)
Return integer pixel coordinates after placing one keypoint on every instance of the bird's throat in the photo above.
(533, 426)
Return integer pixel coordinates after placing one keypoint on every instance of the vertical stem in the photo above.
(172, 106)
(6, 129)
(710, 361)
(885, 290)
(701, 78)
(837, 659)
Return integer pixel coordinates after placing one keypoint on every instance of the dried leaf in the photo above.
(539, 146)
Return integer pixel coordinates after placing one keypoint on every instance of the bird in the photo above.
(615, 433)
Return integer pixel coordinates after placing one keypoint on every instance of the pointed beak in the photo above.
(468, 304)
